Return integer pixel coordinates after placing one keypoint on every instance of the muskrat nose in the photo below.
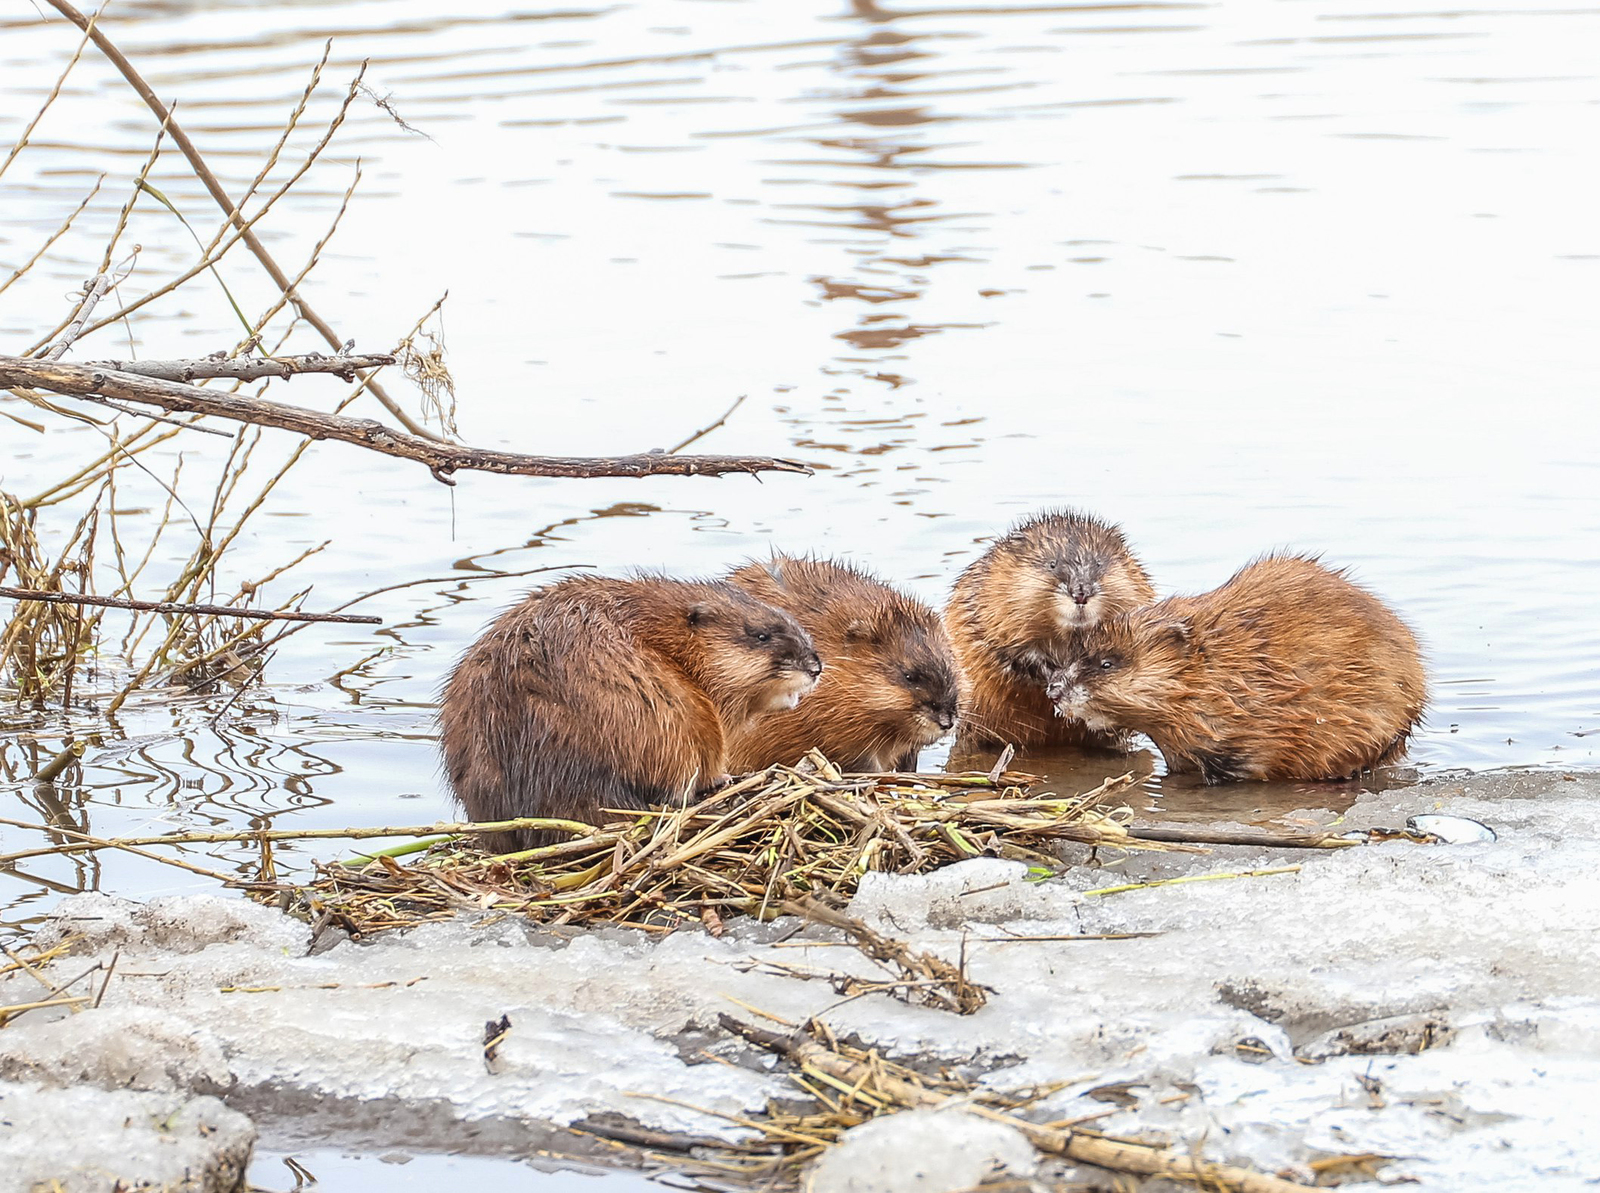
(1057, 687)
(1081, 595)
(812, 666)
(944, 717)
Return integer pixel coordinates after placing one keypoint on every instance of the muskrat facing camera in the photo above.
(1015, 613)
(889, 684)
(601, 693)
(1287, 671)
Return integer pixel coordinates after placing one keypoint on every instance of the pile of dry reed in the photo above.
(786, 835)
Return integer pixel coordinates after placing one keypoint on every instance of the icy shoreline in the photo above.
(1444, 996)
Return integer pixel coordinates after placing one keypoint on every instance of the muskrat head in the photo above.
(912, 676)
(755, 656)
(1122, 671)
(1078, 568)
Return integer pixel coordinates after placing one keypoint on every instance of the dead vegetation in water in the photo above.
(785, 841)
(840, 1084)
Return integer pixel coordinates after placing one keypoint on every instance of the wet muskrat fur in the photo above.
(888, 687)
(600, 693)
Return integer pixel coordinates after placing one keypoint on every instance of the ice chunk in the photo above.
(115, 1048)
(85, 1140)
(175, 924)
(980, 891)
(922, 1151)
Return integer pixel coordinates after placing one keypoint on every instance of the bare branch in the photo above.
(252, 368)
(78, 598)
(442, 459)
(93, 292)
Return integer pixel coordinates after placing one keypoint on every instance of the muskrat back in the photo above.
(1015, 613)
(600, 693)
(1287, 671)
(889, 684)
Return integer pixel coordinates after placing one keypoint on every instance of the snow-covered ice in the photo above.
(922, 1151)
(88, 1140)
(1434, 1004)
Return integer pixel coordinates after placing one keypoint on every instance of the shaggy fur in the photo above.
(602, 693)
(889, 684)
(1288, 671)
(1016, 613)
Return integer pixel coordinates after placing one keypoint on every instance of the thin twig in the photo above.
(22, 141)
(215, 187)
(704, 431)
(1200, 835)
(98, 285)
(54, 236)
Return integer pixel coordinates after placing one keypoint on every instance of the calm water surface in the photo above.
(1321, 275)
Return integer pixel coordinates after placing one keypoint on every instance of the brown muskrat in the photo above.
(1015, 612)
(601, 693)
(1288, 671)
(890, 684)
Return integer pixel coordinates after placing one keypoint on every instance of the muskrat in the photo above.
(1015, 612)
(601, 693)
(1288, 671)
(890, 684)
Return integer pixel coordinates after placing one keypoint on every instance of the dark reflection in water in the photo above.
(1158, 796)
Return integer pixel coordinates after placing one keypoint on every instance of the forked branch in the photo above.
(442, 459)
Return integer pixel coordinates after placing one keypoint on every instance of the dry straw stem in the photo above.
(41, 643)
(87, 838)
(443, 828)
(872, 1085)
(1187, 878)
(54, 236)
(442, 459)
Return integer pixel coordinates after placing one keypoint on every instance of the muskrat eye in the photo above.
(761, 636)
(1108, 664)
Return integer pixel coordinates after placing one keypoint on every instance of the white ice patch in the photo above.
(922, 1151)
(85, 1139)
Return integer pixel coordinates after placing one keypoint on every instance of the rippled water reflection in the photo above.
(1239, 276)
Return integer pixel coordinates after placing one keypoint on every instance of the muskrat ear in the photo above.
(699, 614)
(1181, 630)
(860, 631)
